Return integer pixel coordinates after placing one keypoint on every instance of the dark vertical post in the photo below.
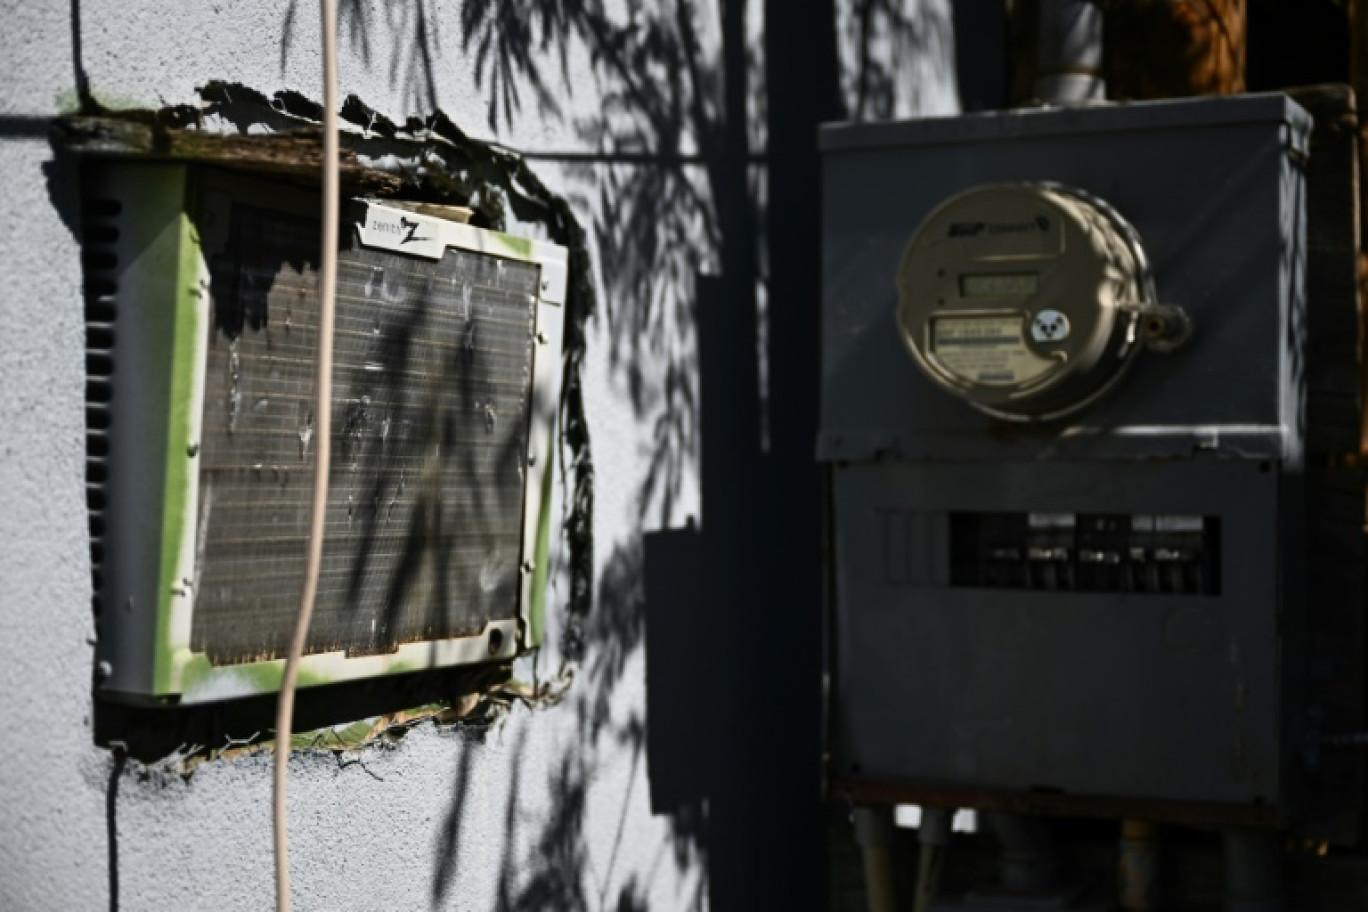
(731, 181)
(981, 61)
(802, 83)
(734, 645)
(1023, 30)
(1358, 74)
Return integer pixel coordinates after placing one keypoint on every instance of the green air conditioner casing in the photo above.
(202, 316)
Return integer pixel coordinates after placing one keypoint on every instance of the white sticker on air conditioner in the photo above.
(988, 350)
(402, 231)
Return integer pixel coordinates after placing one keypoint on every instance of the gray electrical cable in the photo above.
(327, 289)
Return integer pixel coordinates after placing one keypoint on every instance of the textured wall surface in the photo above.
(550, 809)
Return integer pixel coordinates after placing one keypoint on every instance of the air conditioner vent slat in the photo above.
(432, 383)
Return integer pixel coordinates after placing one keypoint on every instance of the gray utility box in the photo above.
(1088, 613)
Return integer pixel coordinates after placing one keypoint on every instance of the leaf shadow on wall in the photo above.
(563, 867)
(670, 183)
(662, 159)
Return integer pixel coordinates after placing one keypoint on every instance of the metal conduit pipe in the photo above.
(1069, 53)
(1253, 871)
(1138, 867)
(874, 834)
(1029, 862)
(933, 836)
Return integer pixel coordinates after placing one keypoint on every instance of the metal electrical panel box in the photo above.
(1088, 592)
(202, 315)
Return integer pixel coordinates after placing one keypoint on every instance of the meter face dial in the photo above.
(1020, 298)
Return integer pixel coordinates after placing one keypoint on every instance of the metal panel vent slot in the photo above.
(1144, 554)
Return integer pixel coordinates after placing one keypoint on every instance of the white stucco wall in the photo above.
(431, 823)
(899, 58)
(442, 820)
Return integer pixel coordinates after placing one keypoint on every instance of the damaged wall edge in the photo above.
(432, 160)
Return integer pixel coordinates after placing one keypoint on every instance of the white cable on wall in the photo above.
(327, 288)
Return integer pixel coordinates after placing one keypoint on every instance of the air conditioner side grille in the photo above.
(100, 227)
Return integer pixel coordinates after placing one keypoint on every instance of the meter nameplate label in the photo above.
(999, 234)
(986, 350)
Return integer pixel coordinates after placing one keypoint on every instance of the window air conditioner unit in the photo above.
(202, 315)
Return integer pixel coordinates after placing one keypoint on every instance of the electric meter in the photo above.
(1126, 589)
(1027, 300)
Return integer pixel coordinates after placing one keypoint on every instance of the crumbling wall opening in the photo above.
(424, 159)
